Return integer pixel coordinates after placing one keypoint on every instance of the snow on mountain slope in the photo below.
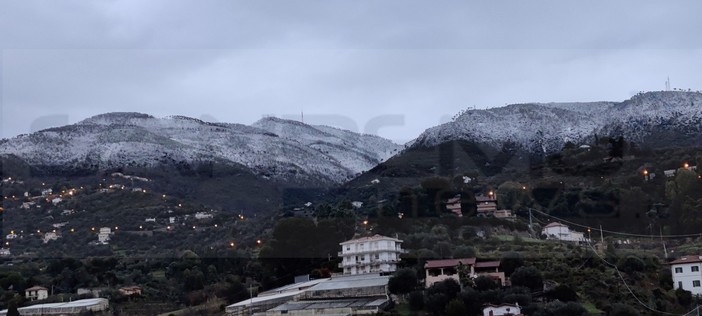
(134, 139)
(357, 152)
(549, 126)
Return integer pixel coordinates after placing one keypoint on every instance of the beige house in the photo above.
(36, 293)
(440, 270)
(130, 290)
(485, 205)
(453, 205)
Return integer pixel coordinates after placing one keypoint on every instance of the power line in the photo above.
(627, 285)
(616, 232)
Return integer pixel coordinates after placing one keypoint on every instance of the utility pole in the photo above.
(602, 238)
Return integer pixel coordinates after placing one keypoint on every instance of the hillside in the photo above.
(661, 118)
(302, 153)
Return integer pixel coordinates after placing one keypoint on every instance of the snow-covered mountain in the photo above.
(662, 118)
(272, 148)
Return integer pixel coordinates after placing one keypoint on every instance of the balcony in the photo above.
(370, 250)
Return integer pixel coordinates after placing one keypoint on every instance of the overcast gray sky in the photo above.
(389, 67)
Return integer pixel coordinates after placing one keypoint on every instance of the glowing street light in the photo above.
(258, 241)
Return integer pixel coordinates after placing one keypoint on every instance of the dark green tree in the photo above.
(529, 277)
(456, 307)
(403, 281)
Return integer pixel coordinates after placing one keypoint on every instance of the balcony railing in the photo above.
(365, 263)
(354, 252)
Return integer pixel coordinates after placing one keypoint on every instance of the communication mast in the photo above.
(667, 84)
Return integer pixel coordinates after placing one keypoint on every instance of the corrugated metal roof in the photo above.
(354, 281)
(293, 287)
(78, 303)
(353, 303)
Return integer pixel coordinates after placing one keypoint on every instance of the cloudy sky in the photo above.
(389, 67)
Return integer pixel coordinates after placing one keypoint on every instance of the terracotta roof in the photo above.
(36, 288)
(448, 262)
(687, 259)
(482, 198)
(555, 224)
(487, 264)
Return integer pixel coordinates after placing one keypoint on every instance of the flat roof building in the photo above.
(64, 308)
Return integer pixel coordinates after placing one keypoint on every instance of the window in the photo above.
(696, 283)
(695, 268)
(678, 270)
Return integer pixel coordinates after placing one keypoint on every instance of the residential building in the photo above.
(486, 205)
(440, 270)
(504, 214)
(130, 290)
(453, 205)
(502, 310)
(375, 254)
(557, 230)
(686, 274)
(50, 236)
(104, 235)
(36, 293)
(203, 215)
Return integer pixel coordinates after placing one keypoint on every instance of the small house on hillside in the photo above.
(453, 205)
(502, 310)
(130, 290)
(486, 205)
(36, 293)
(687, 274)
(556, 230)
(440, 270)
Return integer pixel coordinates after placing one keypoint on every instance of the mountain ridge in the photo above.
(549, 126)
(119, 139)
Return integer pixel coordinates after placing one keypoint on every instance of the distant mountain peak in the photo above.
(115, 118)
(647, 117)
(271, 147)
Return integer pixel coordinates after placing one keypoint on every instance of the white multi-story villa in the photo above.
(376, 254)
(686, 274)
